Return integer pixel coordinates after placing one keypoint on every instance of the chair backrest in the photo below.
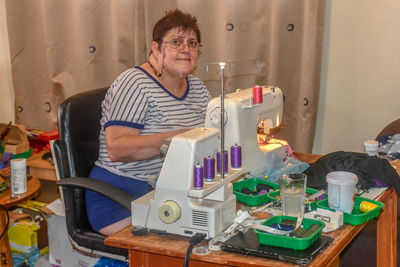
(75, 152)
(79, 127)
(391, 128)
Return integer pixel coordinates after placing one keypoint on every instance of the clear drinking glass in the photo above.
(292, 193)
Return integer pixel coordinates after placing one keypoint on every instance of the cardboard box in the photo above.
(17, 141)
(61, 252)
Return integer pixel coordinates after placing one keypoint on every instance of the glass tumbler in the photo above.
(292, 193)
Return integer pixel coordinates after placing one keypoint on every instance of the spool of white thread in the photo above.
(18, 176)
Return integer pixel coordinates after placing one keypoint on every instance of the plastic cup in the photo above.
(371, 147)
(292, 193)
(341, 190)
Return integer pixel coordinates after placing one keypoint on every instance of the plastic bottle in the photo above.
(371, 147)
(26, 259)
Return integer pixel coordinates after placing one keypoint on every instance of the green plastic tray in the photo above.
(356, 217)
(310, 191)
(289, 241)
(252, 185)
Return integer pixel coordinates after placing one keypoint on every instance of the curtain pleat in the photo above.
(59, 48)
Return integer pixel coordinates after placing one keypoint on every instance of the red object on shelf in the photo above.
(39, 140)
(48, 136)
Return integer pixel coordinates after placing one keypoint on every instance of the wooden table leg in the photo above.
(386, 239)
(5, 251)
(335, 262)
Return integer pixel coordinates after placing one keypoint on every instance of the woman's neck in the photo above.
(175, 85)
(173, 82)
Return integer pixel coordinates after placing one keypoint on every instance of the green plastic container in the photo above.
(309, 191)
(289, 241)
(252, 185)
(356, 217)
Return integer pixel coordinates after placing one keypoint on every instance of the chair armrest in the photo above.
(103, 188)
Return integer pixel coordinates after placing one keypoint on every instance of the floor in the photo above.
(43, 261)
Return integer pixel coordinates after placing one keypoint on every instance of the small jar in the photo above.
(18, 176)
(371, 147)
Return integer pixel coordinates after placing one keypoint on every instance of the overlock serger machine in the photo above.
(190, 195)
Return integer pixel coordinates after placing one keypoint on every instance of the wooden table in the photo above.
(33, 187)
(156, 250)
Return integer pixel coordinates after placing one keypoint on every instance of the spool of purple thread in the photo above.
(225, 162)
(209, 168)
(198, 176)
(236, 156)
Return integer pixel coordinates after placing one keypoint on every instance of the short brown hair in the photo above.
(175, 19)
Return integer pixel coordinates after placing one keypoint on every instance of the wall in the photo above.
(6, 88)
(360, 83)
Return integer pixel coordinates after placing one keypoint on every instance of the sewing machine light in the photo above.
(278, 121)
(263, 130)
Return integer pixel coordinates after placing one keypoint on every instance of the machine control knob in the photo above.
(169, 212)
(215, 116)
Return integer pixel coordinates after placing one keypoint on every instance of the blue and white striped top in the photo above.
(137, 100)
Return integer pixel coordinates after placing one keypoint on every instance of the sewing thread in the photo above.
(209, 168)
(198, 177)
(257, 94)
(225, 162)
(236, 156)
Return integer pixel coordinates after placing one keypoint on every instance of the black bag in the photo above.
(367, 168)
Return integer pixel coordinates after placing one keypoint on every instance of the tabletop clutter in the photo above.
(16, 145)
(27, 230)
(300, 214)
(300, 210)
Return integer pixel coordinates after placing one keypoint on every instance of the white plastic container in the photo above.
(18, 176)
(341, 190)
(371, 147)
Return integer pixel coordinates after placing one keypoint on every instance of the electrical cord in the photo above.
(8, 221)
(194, 240)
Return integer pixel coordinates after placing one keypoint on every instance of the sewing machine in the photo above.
(176, 206)
(251, 125)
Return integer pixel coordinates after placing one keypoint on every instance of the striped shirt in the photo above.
(137, 100)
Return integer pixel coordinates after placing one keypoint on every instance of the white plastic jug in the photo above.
(341, 190)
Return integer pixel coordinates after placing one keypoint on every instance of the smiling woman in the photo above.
(175, 50)
(143, 109)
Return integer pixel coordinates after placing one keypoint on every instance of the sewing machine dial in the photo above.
(169, 212)
(215, 116)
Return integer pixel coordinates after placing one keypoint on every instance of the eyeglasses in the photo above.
(179, 44)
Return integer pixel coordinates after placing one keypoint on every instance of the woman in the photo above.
(143, 109)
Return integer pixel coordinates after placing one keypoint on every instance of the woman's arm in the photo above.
(124, 144)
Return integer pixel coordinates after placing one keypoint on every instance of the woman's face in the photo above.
(179, 51)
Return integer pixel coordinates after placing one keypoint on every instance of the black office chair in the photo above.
(75, 152)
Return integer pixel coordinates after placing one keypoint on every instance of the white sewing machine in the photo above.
(175, 206)
(243, 121)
